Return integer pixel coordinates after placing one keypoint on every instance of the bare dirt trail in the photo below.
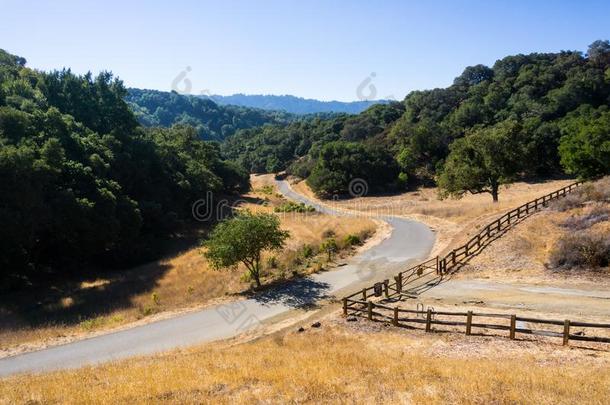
(561, 301)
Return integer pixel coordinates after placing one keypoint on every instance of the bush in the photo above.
(330, 247)
(307, 251)
(579, 222)
(598, 191)
(567, 203)
(581, 249)
(351, 240)
(291, 206)
(267, 190)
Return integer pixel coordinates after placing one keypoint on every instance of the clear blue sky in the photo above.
(315, 49)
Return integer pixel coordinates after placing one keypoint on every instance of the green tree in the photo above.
(341, 162)
(243, 239)
(585, 146)
(481, 162)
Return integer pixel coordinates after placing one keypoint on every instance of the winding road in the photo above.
(409, 241)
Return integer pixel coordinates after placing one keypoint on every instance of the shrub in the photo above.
(567, 203)
(579, 222)
(268, 190)
(291, 206)
(595, 192)
(329, 246)
(351, 240)
(581, 249)
(307, 251)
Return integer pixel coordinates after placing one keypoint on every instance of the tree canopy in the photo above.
(82, 182)
(212, 121)
(541, 93)
(481, 161)
(243, 239)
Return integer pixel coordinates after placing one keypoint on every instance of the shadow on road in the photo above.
(299, 293)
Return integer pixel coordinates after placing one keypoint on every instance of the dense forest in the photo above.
(212, 121)
(83, 182)
(536, 115)
(292, 104)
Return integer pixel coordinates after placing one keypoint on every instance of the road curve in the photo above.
(409, 240)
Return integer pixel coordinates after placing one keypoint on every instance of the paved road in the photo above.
(408, 241)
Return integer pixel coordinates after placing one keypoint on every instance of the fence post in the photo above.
(370, 314)
(399, 283)
(345, 306)
(513, 326)
(364, 294)
(395, 320)
(566, 332)
(386, 289)
(469, 322)
(429, 320)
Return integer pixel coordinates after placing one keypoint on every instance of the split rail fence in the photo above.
(408, 283)
(512, 323)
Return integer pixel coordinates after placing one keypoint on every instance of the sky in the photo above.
(327, 50)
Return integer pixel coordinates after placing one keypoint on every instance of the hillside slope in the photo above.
(294, 105)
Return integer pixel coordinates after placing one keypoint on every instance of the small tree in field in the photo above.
(329, 246)
(242, 239)
(481, 162)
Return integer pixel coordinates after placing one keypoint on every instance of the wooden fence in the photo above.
(438, 266)
(478, 241)
(426, 319)
(408, 283)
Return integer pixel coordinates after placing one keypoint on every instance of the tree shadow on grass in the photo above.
(72, 301)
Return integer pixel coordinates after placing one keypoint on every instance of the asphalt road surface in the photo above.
(409, 241)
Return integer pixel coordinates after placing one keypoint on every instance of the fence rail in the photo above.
(448, 263)
(438, 266)
(404, 317)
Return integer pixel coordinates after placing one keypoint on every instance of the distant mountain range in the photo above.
(292, 104)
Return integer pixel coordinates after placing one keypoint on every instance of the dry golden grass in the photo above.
(336, 364)
(185, 281)
(525, 251)
(453, 220)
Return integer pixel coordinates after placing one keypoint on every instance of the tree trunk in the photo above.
(494, 192)
(256, 273)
